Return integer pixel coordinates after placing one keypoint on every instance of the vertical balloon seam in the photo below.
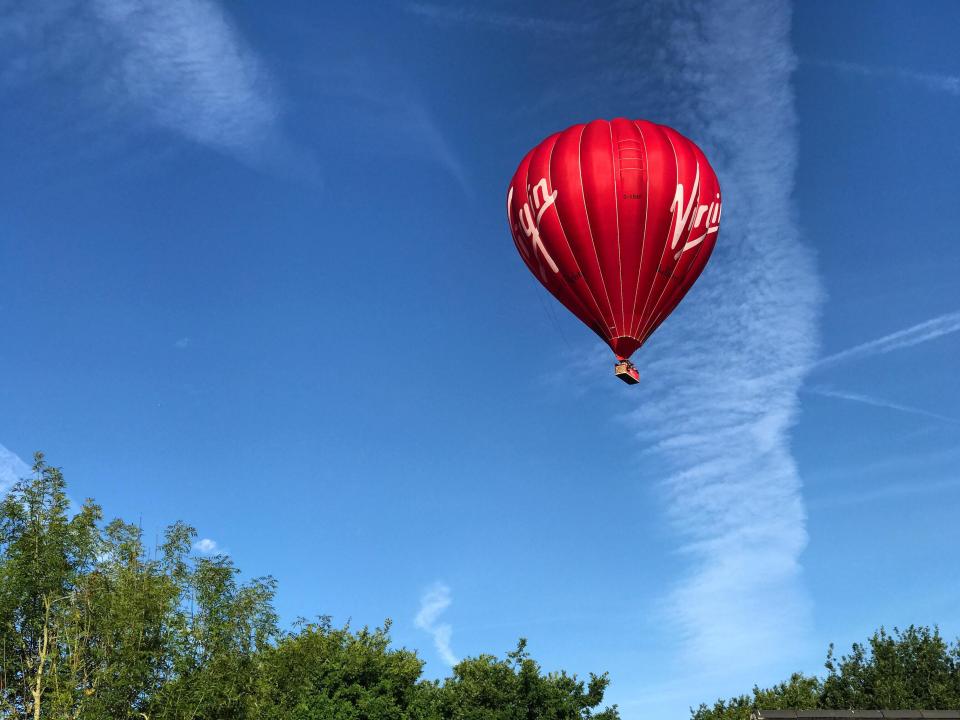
(567, 188)
(680, 291)
(559, 289)
(563, 292)
(666, 239)
(586, 212)
(684, 238)
(597, 319)
(659, 305)
(646, 210)
(674, 297)
(640, 309)
(616, 214)
(664, 292)
(625, 228)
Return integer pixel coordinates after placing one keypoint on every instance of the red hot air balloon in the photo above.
(617, 219)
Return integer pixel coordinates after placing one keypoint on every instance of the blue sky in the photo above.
(255, 274)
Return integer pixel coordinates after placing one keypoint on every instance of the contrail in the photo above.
(880, 403)
(920, 333)
(949, 84)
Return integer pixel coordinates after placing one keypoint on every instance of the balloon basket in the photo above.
(625, 370)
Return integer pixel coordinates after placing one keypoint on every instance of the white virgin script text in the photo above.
(531, 226)
(690, 220)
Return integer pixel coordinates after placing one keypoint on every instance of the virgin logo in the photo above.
(690, 219)
(542, 199)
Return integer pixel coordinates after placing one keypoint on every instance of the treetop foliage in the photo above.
(94, 626)
(911, 669)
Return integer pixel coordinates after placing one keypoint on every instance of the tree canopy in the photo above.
(96, 626)
(911, 669)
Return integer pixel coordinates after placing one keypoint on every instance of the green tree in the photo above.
(321, 672)
(217, 634)
(95, 626)
(912, 669)
(118, 635)
(799, 692)
(43, 553)
(487, 688)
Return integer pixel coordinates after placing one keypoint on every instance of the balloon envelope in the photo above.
(617, 219)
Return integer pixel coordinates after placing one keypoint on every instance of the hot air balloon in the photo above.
(617, 219)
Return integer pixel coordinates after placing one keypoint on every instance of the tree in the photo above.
(43, 553)
(217, 633)
(912, 669)
(486, 688)
(115, 640)
(799, 692)
(326, 673)
(321, 672)
(94, 626)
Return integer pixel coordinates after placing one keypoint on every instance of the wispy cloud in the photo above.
(182, 344)
(12, 469)
(185, 65)
(880, 403)
(389, 112)
(936, 82)
(734, 490)
(434, 601)
(452, 14)
(207, 546)
(923, 332)
(177, 64)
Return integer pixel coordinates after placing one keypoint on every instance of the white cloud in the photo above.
(936, 82)
(716, 405)
(434, 601)
(183, 62)
(206, 546)
(12, 469)
(182, 344)
(177, 64)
